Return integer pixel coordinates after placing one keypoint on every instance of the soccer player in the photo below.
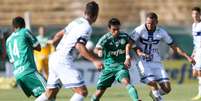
(20, 45)
(196, 32)
(43, 56)
(114, 46)
(61, 68)
(147, 37)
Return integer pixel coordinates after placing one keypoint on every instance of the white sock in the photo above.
(77, 97)
(157, 95)
(199, 86)
(161, 92)
(42, 97)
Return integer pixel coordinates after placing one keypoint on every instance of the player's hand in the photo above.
(139, 53)
(98, 64)
(127, 62)
(191, 60)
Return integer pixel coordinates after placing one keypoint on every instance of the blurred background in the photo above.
(54, 15)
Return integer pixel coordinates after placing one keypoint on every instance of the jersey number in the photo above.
(14, 51)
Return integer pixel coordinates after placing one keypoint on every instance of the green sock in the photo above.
(132, 92)
(94, 98)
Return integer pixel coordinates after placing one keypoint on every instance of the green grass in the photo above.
(182, 92)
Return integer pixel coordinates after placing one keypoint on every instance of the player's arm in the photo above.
(37, 48)
(178, 50)
(98, 51)
(85, 53)
(33, 41)
(57, 37)
(127, 62)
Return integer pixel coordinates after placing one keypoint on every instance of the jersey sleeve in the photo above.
(31, 38)
(84, 34)
(166, 37)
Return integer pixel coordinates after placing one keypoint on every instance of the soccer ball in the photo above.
(90, 45)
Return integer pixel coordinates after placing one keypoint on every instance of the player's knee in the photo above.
(166, 89)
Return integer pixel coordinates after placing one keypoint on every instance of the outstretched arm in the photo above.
(176, 49)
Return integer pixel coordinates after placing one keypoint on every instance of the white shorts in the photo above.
(152, 71)
(63, 74)
(197, 58)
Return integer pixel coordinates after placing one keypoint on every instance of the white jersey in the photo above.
(149, 42)
(196, 32)
(78, 30)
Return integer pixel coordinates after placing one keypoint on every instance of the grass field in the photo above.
(182, 92)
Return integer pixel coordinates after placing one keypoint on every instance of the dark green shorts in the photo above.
(32, 84)
(107, 77)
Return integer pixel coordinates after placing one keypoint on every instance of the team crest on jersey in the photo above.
(122, 41)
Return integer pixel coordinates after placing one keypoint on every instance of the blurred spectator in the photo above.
(42, 56)
(2, 49)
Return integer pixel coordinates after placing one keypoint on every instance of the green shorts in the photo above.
(108, 76)
(32, 84)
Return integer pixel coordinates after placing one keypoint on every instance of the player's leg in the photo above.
(79, 93)
(197, 73)
(162, 78)
(105, 80)
(165, 88)
(72, 78)
(45, 68)
(148, 78)
(123, 77)
(98, 94)
(53, 83)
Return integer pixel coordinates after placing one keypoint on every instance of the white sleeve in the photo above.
(166, 37)
(84, 34)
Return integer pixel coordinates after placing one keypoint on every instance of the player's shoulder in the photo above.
(123, 34)
(161, 30)
(140, 28)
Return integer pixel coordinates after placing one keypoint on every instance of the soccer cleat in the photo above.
(198, 97)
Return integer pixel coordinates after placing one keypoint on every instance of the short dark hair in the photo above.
(196, 9)
(152, 15)
(92, 8)
(113, 22)
(18, 22)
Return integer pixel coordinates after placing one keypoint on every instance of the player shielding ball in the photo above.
(114, 47)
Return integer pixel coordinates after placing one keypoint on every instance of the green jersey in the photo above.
(19, 48)
(113, 50)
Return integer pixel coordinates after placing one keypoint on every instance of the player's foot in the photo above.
(198, 97)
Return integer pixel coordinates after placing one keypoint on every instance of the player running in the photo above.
(114, 47)
(147, 37)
